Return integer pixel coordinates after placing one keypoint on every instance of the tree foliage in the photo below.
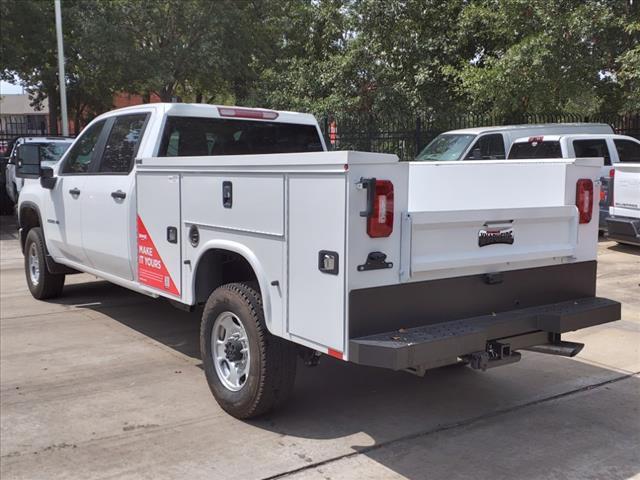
(506, 57)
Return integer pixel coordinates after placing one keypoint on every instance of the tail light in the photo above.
(379, 211)
(610, 191)
(247, 113)
(584, 199)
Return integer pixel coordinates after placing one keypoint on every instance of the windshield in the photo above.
(51, 152)
(445, 148)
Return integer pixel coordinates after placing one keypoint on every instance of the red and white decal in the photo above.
(151, 269)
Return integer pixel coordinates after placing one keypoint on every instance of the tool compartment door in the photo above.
(158, 233)
(317, 228)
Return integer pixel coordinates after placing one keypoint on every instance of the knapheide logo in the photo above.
(492, 236)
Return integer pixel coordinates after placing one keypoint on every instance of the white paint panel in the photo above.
(258, 202)
(485, 185)
(316, 222)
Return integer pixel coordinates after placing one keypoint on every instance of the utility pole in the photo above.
(61, 76)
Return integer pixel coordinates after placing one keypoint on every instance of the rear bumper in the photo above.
(624, 229)
(440, 344)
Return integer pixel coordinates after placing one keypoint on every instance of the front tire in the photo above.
(42, 283)
(249, 371)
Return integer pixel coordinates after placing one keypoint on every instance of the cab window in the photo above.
(628, 150)
(535, 149)
(487, 147)
(81, 153)
(592, 148)
(122, 144)
(195, 136)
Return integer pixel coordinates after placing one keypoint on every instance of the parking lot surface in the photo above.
(105, 383)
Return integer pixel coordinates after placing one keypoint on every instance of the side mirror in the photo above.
(28, 161)
(47, 180)
(477, 154)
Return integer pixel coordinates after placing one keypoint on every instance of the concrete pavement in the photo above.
(105, 383)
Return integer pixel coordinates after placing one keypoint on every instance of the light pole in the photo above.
(61, 77)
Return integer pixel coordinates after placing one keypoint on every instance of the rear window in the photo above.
(592, 148)
(196, 136)
(524, 150)
(628, 150)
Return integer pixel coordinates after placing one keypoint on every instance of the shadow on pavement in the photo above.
(624, 248)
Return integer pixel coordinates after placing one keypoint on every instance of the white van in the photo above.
(493, 143)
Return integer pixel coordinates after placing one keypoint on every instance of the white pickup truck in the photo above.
(624, 219)
(298, 251)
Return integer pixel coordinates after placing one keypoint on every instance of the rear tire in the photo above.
(42, 283)
(249, 371)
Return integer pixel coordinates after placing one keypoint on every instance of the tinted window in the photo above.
(445, 147)
(123, 143)
(193, 136)
(628, 151)
(488, 147)
(81, 153)
(524, 150)
(592, 148)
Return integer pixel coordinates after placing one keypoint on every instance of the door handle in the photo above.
(75, 192)
(119, 194)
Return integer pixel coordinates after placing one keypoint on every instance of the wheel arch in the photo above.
(222, 261)
(28, 217)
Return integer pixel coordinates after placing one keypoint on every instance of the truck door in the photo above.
(108, 208)
(63, 222)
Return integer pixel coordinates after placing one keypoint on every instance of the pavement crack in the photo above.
(451, 426)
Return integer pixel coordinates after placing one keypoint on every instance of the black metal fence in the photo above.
(406, 136)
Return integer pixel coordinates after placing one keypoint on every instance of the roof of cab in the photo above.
(43, 138)
(576, 136)
(531, 126)
(212, 111)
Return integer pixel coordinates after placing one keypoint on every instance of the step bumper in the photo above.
(439, 344)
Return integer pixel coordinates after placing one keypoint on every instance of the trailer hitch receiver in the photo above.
(496, 354)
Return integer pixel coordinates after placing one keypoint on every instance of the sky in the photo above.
(7, 88)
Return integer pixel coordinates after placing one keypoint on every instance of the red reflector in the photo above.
(584, 199)
(380, 222)
(247, 113)
(335, 354)
(603, 195)
(612, 173)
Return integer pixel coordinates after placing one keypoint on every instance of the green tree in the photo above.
(543, 56)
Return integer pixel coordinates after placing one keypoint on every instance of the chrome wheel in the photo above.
(230, 351)
(34, 265)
